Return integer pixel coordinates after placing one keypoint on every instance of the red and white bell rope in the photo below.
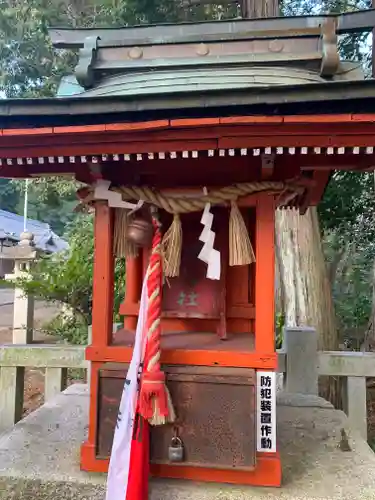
(154, 400)
(141, 403)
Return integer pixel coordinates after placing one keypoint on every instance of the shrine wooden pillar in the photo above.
(133, 288)
(102, 310)
(265, 274)
(103, 279)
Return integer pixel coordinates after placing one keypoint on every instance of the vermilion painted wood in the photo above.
(103, 276)
(266, 473)
(315, 193)
(174, 134)
(133, 290)
(93, 409)
(241, 310)
(121, 354)
(335, 130)
(102, 307)
(236, 142)
(265, 274)
(197, 122)
(243, 168)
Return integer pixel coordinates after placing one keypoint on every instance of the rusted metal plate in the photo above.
(215, 410)
(109, 394)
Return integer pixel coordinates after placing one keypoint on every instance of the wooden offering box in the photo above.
(215, 410)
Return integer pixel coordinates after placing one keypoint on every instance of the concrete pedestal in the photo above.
(39, 457)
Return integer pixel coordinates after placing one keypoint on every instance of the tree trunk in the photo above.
(254, 9)
(279, 285)
(369, 341)
(369, 337)
(305, 283)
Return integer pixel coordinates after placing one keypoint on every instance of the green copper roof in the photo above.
(195, 80)
(69, 87)
(186, 59)
(196, 57)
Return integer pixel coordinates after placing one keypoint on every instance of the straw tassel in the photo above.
(241, 252)
(172, 248)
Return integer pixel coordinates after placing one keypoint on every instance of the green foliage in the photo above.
(9, 196)
(347, 210)
(348, 207)
(352, 286)
(347, 216)
(29, 65)
(50, 200)
(66, 278)
(280, 323)
(72, 329)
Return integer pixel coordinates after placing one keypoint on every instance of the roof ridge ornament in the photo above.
(87, 57)
(331, 58)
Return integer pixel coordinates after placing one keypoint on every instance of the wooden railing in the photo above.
(299, 360)
(302, 365)
(14, 358)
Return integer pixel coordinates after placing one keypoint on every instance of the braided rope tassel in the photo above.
(155, 403)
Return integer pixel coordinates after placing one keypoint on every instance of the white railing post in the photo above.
(11, 395)
(56, 359)
(55, 381)
(301, 346)
(356, 402)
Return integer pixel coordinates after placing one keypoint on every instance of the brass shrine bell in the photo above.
(176, 450)
(140, 232)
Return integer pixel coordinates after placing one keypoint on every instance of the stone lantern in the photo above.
(23, 314)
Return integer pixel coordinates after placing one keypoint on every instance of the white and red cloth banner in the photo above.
(128, 467)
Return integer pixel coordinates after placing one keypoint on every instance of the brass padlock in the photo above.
(176, 450)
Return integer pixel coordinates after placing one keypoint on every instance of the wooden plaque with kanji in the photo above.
(191, 294)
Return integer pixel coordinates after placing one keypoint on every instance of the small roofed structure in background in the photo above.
(12, 227)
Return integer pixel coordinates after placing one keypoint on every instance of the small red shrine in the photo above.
(231, 118)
